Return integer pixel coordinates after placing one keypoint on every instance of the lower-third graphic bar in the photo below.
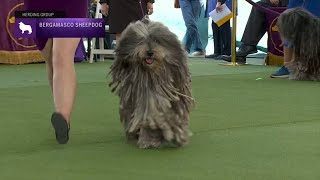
(59, 27)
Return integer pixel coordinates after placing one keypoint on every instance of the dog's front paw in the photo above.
(149, 139)
(149, 144)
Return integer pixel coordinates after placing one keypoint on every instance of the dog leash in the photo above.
(261, 8)
(143, 13)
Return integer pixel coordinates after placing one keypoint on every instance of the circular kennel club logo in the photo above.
(25, 28)
(18, 42)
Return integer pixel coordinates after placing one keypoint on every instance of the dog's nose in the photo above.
(150, 53)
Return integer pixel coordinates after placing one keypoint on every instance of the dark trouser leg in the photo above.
(225, 34)
(255, 28)
(216, 38)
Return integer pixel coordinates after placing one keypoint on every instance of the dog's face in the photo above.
(150, 45)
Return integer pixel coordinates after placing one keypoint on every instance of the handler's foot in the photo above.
(197, 54)
(61, 128)
(283, 72)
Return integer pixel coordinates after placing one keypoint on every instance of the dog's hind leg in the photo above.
(149, 138)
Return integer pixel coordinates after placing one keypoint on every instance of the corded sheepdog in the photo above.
(150, 74)
(302, 30)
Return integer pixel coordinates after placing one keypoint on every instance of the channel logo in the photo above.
(25, 28)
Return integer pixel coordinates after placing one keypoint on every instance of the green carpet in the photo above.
(246, 127)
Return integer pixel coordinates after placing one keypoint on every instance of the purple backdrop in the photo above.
(11, 43)
(8, 41)
(275, 45)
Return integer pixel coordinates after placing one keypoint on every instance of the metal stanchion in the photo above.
(234, 32)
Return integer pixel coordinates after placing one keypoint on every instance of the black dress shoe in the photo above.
(218, 57)
(239, 60)
(245, 50)
(212, 56)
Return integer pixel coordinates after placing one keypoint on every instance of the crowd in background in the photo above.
(196, 12)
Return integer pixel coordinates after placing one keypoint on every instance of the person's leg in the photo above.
(187, 14)
(254, 30)
(47, 54)
(202, 25)
(59, 56)
(225, 32)
(184, 41)
(64, 75)
(283, 72)
(190, 15)
(288, 55)
(196, 9)
(216, 39)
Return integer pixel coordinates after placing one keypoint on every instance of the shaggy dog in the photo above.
(302, 30)
(151, 76)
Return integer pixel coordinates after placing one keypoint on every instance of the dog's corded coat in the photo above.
(151, 76)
